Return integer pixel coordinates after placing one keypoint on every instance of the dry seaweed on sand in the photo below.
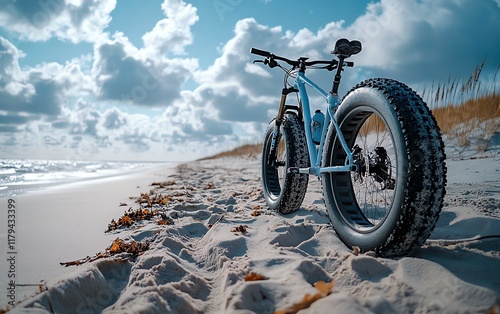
(253, 276)
(118, 246)
(132, 216)
(240, 228)
(164, 184)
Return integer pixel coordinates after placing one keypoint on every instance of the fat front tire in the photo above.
(284, 191)
(391, 203)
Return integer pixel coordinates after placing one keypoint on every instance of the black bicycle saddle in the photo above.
(345, 48)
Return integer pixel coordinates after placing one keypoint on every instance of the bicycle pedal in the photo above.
(293, 170)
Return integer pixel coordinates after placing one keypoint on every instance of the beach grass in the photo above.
(240, 151)
(466, 110)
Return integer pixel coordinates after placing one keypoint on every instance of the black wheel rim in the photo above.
(365, 198)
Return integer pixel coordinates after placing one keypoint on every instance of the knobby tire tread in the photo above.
(426, 173)
(295, 185)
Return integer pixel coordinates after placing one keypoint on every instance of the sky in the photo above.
(173, 80)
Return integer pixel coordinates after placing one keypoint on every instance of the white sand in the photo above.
(194, 268)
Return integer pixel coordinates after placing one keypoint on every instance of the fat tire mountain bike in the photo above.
(378, 152)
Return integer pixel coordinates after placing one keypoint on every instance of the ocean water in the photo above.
(19, 176)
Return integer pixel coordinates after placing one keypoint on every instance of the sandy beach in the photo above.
(62, 222)
(220, 232)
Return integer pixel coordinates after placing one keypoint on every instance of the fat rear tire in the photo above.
(413, 176)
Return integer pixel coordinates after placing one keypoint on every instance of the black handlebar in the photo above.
(332, 64)
(259, 52)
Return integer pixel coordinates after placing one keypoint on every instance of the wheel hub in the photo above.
(376, 164)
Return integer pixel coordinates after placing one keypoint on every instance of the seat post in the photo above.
(338, 77)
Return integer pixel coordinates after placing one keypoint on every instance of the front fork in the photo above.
(271, 157)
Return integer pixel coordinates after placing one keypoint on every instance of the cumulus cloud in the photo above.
(146, 76)
(39, 90)
(126, 74)
(36, 101)
(418, 40)
(236, 89)
(173, 33)
(241, 91)
(114, 119)
(69, 20)
(84, 131)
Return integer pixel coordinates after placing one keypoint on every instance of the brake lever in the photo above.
(271, 63)
(268, 61)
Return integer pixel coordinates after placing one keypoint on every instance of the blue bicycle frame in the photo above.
(315, 152)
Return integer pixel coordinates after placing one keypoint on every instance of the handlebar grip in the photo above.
(259, 52)
(349, 64)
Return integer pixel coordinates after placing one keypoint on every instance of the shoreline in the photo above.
(75, 177)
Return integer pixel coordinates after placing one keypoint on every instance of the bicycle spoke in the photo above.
(374, 187)
(281, 161)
